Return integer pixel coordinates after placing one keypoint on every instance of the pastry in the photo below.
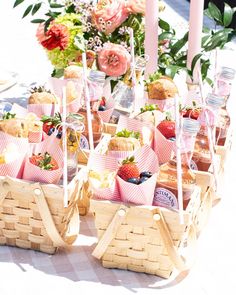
(104, 179)
(14, 126)
(40, 95)
(150, 114)
(125, 141)
(73, 72)
(162, 88)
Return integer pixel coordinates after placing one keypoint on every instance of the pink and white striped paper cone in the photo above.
(13, 169)
(163, 104)
(57, 85)
(106, 115)
(34, 173)
(99, 163)
(120, 155)
(141, 194)
(35, 136)
(43, 109)
(163, 147)
(146, 130)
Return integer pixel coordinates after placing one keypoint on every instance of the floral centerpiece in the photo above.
(101, 28)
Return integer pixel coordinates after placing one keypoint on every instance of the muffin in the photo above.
(162, 88)
(125, 141)
(40, 95)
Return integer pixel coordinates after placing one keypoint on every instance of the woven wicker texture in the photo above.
(33, 216)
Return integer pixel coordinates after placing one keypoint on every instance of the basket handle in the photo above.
(179, 261)
(110, 232)
(48, 222)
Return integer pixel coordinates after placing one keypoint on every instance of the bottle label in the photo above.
(84, 144)
(165, 198)
(193, 165)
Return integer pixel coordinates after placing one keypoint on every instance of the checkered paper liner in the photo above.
(99, 163)
(163, 147)
(13, 169)
(43, 109)
(141, 194)
(163, 104)
(106, 115)
(34, 173)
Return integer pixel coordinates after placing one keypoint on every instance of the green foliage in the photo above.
(126, 133)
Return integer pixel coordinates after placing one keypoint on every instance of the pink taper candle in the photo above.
(151, 35)
(195, 36)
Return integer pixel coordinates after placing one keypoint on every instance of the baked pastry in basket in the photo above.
(162, 87)
(40, 95)
(14, 126)
(125, 140)
(73, 72)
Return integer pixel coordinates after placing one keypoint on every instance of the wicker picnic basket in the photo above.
(147, 239)
(33, 216)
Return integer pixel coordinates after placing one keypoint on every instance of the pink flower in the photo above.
(109, 15)
(40, 34)
(114, 59)
(136, 6)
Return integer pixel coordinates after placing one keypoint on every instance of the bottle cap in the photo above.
(227, 73)
(190, 125)
(215, 101)
(97, 76)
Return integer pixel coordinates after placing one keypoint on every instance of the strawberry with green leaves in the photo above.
(167, 127)
(51, 123)
(128, 169)
(192, 112)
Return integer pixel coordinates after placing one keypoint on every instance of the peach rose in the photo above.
(114, 60)
(136, 6)
(109, 15)
(40, 34)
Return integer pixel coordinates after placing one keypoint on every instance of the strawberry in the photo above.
(51, 122)
(191, 113)
(128, 169)
(167, 127)
(103, 101)
(45, 162)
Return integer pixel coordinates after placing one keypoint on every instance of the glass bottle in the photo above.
(166, 192)
(201, 159)
(123, 93)
(224, 82)
(95, 84)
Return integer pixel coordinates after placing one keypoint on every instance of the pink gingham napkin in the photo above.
(163, 147)
(13, 169)
(34, 173)
(163, 104)
(99, 163)
(106, 115)
(141, 194)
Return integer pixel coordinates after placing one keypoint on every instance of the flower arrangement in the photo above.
(101, 28)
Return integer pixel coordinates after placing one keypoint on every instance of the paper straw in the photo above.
(64, 145)
(178, 159)
(209, 131)
(87, 99)
(133, 73)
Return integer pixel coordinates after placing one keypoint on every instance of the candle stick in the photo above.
(195, 37)
(151, 35)
(87, 100)
(64, 145)
(178, 159)
(133, 73)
